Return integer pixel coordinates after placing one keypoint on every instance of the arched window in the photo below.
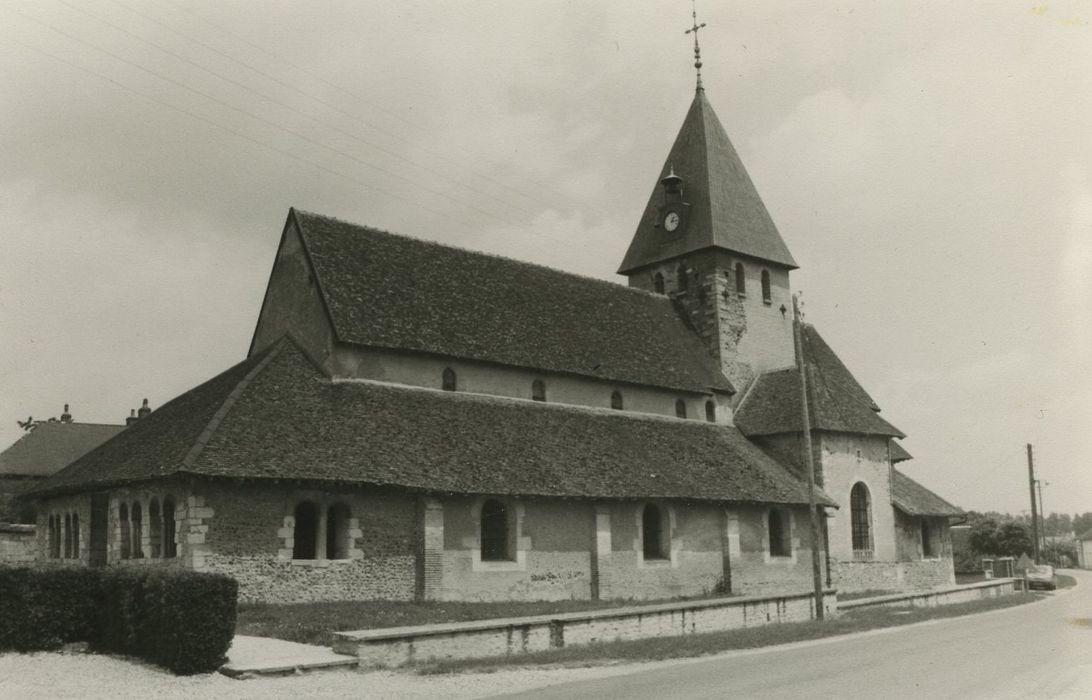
(741, 281)
(538, 390)
(926, 539)
(680, 409)
(449, 379)
(337, 532)
(778, 528)
(682, 282)
(67, 535)
(494, 532)
(305, 533)
(652, 533)
(138, 532)
(860, 513)
(126, 540)
(616, 400)
(170, 547)
(711, 411)
(54, 538)
(75, 536)
(658, 283)
(767, 295)
(155, 530)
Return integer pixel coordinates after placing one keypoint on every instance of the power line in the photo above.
(394, 115)
(268, 122)
(292, 109)
(445, 215)
(297, 90)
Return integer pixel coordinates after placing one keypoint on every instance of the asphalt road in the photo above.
(1031, 651)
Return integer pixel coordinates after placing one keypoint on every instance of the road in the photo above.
(1039, 650)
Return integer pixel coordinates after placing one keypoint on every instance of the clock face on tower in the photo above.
(671, 221)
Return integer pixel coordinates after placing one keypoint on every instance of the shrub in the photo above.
(181, 620)
(41, 609)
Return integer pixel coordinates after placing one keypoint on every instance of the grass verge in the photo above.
(315, 623)
(659, 649)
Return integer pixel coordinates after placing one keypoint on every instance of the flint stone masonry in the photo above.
(254, 544)
(398, 646)
(941, 596)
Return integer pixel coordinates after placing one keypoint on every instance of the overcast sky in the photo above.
(929, 165)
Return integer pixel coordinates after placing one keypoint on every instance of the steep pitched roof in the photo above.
(914, 499)
(392, 291)
(837, 402)
(725, 209)
(899, 453)
(277, 416)
(1086, 536)
(52, 445)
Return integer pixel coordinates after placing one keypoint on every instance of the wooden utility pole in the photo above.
(1034, 510)
(809, 462)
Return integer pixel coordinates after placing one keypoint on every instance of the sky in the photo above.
(929, 165)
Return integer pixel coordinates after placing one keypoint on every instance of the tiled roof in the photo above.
(52, 445)
(836, 401)
(914, 499)
(277, 416)
(725, 209)
(1086, 536)
(899, 453)
(391, 291)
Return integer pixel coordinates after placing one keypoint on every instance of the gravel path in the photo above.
(78, 675)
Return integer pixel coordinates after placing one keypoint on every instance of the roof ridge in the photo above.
(233, 396)
(484, 254)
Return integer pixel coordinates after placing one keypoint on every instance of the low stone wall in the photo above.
(941, 596)
(398, 646)
(18, 544)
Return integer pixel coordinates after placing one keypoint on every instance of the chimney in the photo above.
(66, 417)
(144, 410)
(132, 417)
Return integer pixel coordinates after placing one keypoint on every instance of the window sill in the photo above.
(498, 565)
(319, 563)
(767, 302)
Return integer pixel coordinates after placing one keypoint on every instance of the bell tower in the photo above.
(706, 239)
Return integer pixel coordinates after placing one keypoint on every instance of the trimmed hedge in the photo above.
(181, 620)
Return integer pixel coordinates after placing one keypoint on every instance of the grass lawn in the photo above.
(315, 623)
(703, 644)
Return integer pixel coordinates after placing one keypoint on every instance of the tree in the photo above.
(983, 537)
(1013, 539)
(1082, 523)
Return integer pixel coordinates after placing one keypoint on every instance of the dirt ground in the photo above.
(66, 675)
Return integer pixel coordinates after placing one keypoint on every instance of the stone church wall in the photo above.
(846, 460)
(250, 536)
(748, 334)
(754, 570)
(292, 303)
(425, 370)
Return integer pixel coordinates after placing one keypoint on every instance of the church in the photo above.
(418, 421)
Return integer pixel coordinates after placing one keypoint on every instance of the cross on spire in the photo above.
(697, 47)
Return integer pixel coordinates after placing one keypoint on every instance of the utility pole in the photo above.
(809, 463)
(1042, 513)
(1034, 510)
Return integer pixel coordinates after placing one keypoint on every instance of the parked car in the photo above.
(1041, 576)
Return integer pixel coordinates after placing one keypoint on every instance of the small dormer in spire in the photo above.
(672, 187)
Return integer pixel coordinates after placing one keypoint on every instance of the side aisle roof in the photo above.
(837, 402)
(277, 416)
